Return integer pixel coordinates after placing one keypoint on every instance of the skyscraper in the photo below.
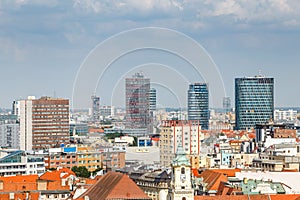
(152, 99)
(44, 123)
(137, 101)
(254, 101)
(152, 104)
(226, 104)
(198, 104)
(95, 115)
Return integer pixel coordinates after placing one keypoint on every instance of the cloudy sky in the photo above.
(44, 43)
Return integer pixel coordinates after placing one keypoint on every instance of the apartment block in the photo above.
(179, 132)
(44, 123)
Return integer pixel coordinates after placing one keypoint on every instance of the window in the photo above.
(182, 170)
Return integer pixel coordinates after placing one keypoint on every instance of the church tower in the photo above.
(182, 184)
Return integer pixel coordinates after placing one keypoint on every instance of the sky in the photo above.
(45, 46)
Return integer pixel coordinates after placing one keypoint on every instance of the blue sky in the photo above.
(43, 43)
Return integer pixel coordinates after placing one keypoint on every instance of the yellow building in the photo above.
(89, 158)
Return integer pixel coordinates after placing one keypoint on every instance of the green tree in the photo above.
(81, 171)
(95, 171)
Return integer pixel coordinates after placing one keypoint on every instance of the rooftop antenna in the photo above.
(54, 94)
(260, 73)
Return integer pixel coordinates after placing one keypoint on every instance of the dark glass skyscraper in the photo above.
(254, 101)
(198, 104)
(137, 101)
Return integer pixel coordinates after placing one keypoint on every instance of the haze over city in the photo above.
(44, 43)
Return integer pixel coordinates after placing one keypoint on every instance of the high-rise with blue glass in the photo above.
(254, 101)
(198, 104)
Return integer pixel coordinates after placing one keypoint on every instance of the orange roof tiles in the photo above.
(114, 185)
(56, 175)
(15, 183)
(17, 196)
(213, 179)
(250, 197)
(96, 130)
(227, 172)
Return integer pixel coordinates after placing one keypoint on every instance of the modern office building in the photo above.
(173, 133)
(254, 101)
(44, 123)
(95, 115)
(9, 131)
(137, 102)
(20, 162)
(198, 104)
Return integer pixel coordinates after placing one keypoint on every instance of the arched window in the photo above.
(182, 170)
(183, 198)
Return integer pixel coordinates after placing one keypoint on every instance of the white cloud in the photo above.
(255, 10)
(127, 6)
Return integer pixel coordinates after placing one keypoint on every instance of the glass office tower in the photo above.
(198, 105)
(254, 101)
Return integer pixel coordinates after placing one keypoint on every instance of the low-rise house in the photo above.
(51, 185)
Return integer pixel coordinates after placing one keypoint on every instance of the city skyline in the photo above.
(44, 43)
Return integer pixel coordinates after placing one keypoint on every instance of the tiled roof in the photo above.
(54, 178)
(227, 172)
(14, 183)
(250, 197)
(213, 179)
(31, 196)
(114, 185)
(56, 175)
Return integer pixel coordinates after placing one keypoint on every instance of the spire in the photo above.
(180, 158)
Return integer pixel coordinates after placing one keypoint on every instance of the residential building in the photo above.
(20, 162)
(48, 186)
(9, 132)
(155, 184)
(137, 102)
(107, 111)
(89, 157)
(198, 104)
(112, 158)
(176, 132)
(44, 123)
(65, 157)
(254, 101)
(281, 115)
(270, 133)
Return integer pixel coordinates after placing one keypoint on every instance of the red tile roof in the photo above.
(114, 185)
(19, 182)
(250, 197)
(227, 172)
(213, 179)
(56, 175)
